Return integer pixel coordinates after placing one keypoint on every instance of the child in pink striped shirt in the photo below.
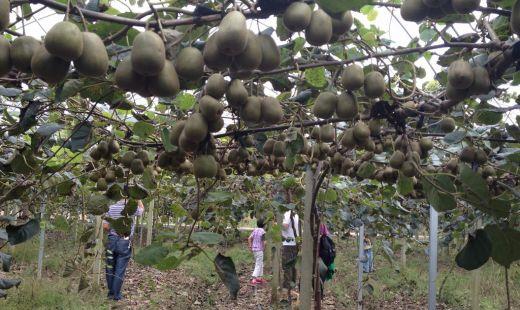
(256, 243)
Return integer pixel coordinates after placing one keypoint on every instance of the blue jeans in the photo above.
(118, 254)
(368, 265)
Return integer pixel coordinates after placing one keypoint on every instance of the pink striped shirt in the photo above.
(258, 240)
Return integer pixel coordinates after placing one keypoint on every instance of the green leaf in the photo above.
(219, 197)
(165, 136)
(281, 31)
(366, 170)
(427, 34)
(143, 129)
(476, 252)
(137, 192)
(227, 272)
(439, 194)
(22, 233)
(151, 254)
(340, 6)
(315, 77)
(475, 186)
(207, 237)
(178, 210)
(148, 178)
(6, 260)
(299, 42)
(505, 244)
(330, 195)
(97, 204)
(404, 184)
(185, 101)
(69, 89)
(81, 136)
(454, 137)
(487, 117)
(514, 131)
(60, 223)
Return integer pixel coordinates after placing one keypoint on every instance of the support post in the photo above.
(432, 274)
(99, 250)
(149, 223)
(404, 247)
(276, 257)
(42, 238)
(475, 281)
(361, 258)
(307, 246)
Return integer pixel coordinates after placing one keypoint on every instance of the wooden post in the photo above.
(307, 246)
(276, 257)
(42, 238)
(404, 247)
(98, 250)
(149, 223)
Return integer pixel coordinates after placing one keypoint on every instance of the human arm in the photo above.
(140, 208)
(250, 241)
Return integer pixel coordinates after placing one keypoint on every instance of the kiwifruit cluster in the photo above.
(358, 136)
(407, 155)
(471, 155)
(320, 27)
(419, 10)
(234, 46)
(261, 110)
(465, 81)
(104, 176)
(147, 71)
(136, 161)
(4, 14)
(205, 166)
(105, 150)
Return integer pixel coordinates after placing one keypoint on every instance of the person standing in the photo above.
(368, 264)
(256, 243)
(118, 249)
(290, 231)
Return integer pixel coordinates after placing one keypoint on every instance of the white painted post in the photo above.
(98, 249)
(149, 223)
(432, 275)
(307, 245)
(476, 280)
(42, 239)
(361, 258)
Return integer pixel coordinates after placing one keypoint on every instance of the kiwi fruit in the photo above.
(408, 169)
(127, 158)
(137, 166)
(252, 110)
(94, 176)
(279, 149)
(374, 84)
(456, 95)
(467, 154)
(361, 132)
(164, 160)
(353, 77)
(236, 93)
(48, 67)
(460, 74)
(315, 133)
(95, 154)
(434, 3)
(481, 157)
(319, 31)
(515, 18)
(447, 124)
(327, 133)
(347, 107)
(113, 146)
(375, 127)
(64, 40)
(101, 184)
(176, 131)
(270, 53)
(143, 156)
(397, 159)
(22, 50)
(216, 125)
(5, 56)
(186, 144)
(481, 82)
(110, 176)
(413, 10)
(213, 58)
(342, 23)
(325, 105)
(488, 171)
(425, 144)
(210, 108)
(196, 128)
(4, 14)
(465, 6)
(189, 64)
(251, 58)
(452, 164)
(272, 112)
(348, 140)
(166, 83)
(148, 53)
(216, 86)
(127, 79)
(297, 16)
(232, 35)
(93, 61)
(205, 166)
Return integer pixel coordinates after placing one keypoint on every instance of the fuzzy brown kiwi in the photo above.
(353, 77)
(205, 166)
(327, 133)
(93, 61)
(64, 40)
(413, 10)
(447, 124)
(325, 105)
(189, 64)
(319, 30)
(48, 67)
(4, 14)
(5, 56)
(137, 166)
(460, 74)
(252, 110)
(210, 108)
(374, 84)
(232, 35)
(236, 93)
(148, 54)
(272, 112)
(22, 50)
(270, 53)
(213, 58)
(166, 83)
(216, 86)
(251, 58)
(297, 16)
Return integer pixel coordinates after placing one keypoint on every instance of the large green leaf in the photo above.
(80, 137)
(315, 77)
(207, 237)
(228, 274)
(6, 260)
(505, 244)
(476, 189)
(151, 254)
(97, 204)
(137, 191)
(143, 129)
(22, 233)
(438, 189)
(476, 252)
(404, 185)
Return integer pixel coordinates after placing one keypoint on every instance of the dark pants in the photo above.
(289, 256)
(118, 254)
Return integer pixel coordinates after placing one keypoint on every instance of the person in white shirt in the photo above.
(290, 231)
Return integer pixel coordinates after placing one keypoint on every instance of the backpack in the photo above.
(327, 250)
